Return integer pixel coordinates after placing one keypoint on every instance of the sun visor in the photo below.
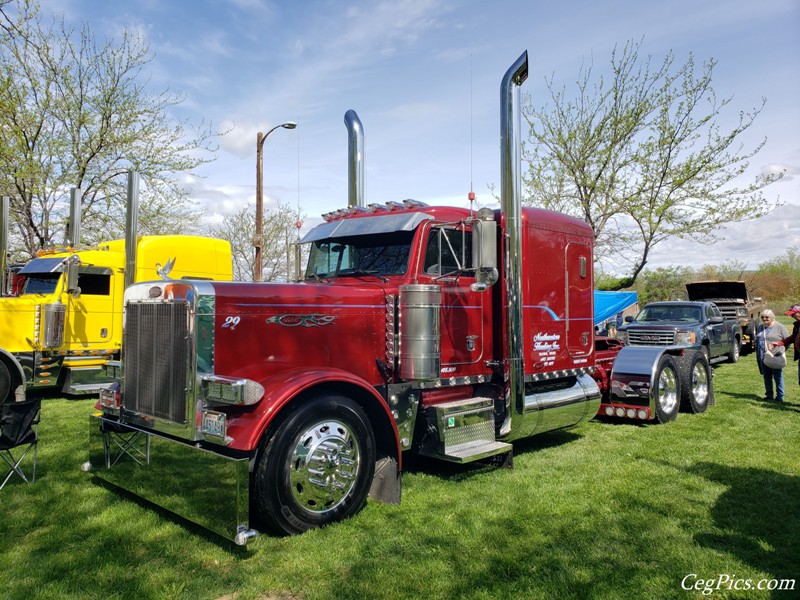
(366, 226)
(42, 265)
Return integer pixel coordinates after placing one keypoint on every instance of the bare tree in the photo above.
(78, 113)
(641, 157)
(280, 234)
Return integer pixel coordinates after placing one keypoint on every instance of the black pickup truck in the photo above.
(697, 325)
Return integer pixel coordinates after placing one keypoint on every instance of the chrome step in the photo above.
(466, 431)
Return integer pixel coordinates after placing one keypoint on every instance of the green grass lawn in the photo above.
(606, 510)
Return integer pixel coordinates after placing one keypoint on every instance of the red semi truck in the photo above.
(434, 330)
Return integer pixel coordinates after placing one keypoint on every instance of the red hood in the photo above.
(263, 329)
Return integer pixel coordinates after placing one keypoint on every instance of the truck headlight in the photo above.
(622, 336)
(685, 338)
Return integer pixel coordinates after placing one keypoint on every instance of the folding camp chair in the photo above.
(19, 434)
(120, 441)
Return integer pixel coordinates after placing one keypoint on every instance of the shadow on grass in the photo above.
(757, 519)
(787, 406)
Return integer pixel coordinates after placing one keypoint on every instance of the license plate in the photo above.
(214, 424)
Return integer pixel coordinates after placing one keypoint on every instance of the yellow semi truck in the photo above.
(64, 319)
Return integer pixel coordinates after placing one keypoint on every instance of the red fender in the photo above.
(246, 429)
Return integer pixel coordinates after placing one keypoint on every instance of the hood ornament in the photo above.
(164, 271)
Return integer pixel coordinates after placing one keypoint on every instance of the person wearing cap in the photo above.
(770, 331)
(794, 337)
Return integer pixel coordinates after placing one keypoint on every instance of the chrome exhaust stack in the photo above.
(74, 229)
(5, 202)
(131, 228)
(511, 206)
(356, 195)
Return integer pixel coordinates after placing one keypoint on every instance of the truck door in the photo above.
(719, 338)
(580, 297)
(448, 252)
(90, 316)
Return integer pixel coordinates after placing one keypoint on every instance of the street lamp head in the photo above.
(289, 125)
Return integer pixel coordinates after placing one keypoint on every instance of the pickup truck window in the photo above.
(668, 312)
(385, 254)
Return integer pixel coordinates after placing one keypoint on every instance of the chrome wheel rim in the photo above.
(668, 390)
(323, 466)
(699, 384)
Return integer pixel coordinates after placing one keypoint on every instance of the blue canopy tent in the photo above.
(608, 304)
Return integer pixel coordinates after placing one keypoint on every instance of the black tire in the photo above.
(733, 355)
(317, 468)
(706, 352)
(697, 390)
(6, 383)
(666, 389)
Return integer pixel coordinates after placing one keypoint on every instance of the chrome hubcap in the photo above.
(699, 384)
(323, 466)
(667, 390)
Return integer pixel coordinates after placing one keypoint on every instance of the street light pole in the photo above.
(258, 242)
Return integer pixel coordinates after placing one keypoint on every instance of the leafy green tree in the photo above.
(280, 235)
(779, 278)
(75, 112)
(663, 283)
(640, 155)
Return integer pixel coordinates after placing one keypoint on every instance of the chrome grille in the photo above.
(155, 348)
(729, 312)
(651, 338)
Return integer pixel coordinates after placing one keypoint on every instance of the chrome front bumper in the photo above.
(203, 487)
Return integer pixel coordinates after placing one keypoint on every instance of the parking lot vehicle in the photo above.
(698, 325)
(62, 318)
(734, 300)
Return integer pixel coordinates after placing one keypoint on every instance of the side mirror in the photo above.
(484, 250)
(629, 319)
(72, 264)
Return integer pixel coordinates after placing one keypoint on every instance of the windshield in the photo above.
(385, 254)
(41, 283)
(670, 312)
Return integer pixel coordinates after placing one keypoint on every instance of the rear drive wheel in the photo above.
(695, 379)
(317, 468)
(665, 389)
(733, 355)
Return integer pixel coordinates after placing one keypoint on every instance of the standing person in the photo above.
(794, 338)
(767, 335)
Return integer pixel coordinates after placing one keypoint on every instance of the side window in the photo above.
(94, 284)
(449, 252)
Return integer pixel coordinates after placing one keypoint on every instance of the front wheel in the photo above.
(317, 468)
(665, 389)
(6, 383)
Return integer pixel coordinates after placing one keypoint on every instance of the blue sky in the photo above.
(424, 75)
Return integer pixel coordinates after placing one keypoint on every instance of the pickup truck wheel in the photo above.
(317, 468)
(695, 377)
(666, 390)
(733, 355)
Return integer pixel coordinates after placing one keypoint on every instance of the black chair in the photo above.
(19, 434)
